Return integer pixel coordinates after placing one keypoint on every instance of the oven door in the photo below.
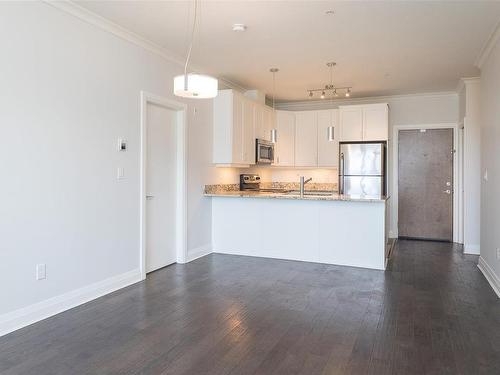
(265, 152)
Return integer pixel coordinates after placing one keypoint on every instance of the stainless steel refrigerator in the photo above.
(362, 167)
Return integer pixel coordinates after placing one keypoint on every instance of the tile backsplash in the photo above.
(270, 174)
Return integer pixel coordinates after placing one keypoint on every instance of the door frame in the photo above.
(457, 188)
(181, 208)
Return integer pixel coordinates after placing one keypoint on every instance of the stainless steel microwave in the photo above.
(264, 151)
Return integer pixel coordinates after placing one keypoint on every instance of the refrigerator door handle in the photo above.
(341, 174)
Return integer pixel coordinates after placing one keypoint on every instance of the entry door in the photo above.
(160, 187)
(426, 184)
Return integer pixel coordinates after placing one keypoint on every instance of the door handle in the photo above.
(341, 180)
(149, 197)
(447, 191)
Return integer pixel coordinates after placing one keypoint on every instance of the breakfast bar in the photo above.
(322, 227)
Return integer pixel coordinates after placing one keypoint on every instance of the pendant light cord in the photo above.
(331, 82)
(274, 88)
(190, 45)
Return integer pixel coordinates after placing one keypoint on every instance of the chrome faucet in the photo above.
(302, 183)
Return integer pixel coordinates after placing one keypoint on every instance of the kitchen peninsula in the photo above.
(319, 226)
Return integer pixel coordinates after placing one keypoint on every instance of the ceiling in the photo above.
(381, 47)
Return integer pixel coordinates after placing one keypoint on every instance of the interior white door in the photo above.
(160, 187)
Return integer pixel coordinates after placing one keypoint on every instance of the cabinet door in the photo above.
(258, 121)
(268, 123)
(328, 151)
(248, 132)
(237, 129)
(285, 145)
(306, 139)
(376, 125)
(351, 124)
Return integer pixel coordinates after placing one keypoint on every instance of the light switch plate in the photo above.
(120, 173)
(41, 271)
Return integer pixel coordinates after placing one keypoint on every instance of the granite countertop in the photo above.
(322, 195)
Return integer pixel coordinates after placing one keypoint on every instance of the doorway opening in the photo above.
(163, 183)
(426, 184)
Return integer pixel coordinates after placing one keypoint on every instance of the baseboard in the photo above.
(199, 252)
(471, 249)
(490, 275)
(31, 314)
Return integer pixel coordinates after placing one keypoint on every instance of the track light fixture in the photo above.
(330, 87)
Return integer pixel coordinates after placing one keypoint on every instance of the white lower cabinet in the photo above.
(285, 144)
(306, 139)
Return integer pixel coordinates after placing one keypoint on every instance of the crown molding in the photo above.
(488, 46)
(104, 24)
(327, 104)
(464, 81)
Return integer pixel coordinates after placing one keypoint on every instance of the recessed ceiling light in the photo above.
(239, 27)
(329, 12)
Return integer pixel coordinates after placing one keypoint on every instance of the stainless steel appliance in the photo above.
(264, 151)
(362, 167)
(249, 182)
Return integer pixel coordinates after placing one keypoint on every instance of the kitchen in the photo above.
(297, 220)
(250, 187)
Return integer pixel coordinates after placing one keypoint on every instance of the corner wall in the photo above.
(69, 91)
(489, 263)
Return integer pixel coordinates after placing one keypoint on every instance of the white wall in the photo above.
(419, 109)
(490, 160)
(69, 90)
(469, 116)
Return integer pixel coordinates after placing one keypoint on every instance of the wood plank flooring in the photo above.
(431, 312)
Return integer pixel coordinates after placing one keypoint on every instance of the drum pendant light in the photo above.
(193, 85)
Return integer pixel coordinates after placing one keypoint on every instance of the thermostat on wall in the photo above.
(122, 145)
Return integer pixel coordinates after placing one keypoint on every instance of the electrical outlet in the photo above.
(41, 271)
(498, 254)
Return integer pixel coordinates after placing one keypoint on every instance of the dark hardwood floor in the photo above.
(431, 312)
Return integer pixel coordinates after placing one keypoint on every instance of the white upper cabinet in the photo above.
(368, 122)
(376, 123)
(351, 124)
(233, 129)
(264, 121)
(328, 150)
(306, 139)
(248, 131)
(285, 144)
